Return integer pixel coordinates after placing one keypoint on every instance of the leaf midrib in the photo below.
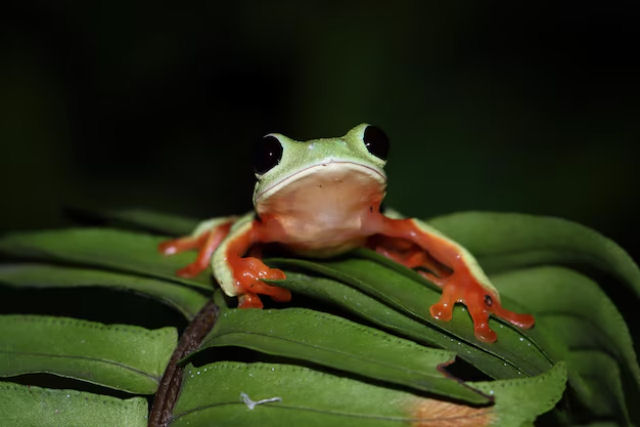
(155, 378)
(338, 351)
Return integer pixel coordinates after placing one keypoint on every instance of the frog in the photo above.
(322, 198)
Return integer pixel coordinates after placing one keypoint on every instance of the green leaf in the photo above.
(374, 311)
(555, 291)
(124, 251)
(187, 300)
(602, 392)
(521, 400)
(503, 241)
(338, 343)
(513, 346)
(574, 311)
(263, 394)
(34, 406)
(123, 357)
(374, 256)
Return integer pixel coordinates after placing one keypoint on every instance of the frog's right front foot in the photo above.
(206, 242)
(249, 274)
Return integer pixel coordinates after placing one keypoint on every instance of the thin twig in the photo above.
(166, 396)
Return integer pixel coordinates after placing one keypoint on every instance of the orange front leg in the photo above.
(450, 266)
(244, 275)
(206, 242)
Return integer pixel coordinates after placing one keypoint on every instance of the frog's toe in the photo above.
(190, 271)
(483, 332)
(250, 274)
(181, 244)
(249, 300)
(277, 293)
(167, 247)
(441, 311)
(271, 274)
(524, 321)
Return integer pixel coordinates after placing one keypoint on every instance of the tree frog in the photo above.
(321, 198)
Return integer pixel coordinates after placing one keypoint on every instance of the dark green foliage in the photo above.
(360, 317)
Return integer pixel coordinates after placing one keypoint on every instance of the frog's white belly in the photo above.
(325, 235)
(323, 211)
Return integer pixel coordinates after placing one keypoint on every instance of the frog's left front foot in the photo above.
(445, 263)
(480, 303)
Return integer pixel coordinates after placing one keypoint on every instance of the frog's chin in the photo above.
(339, 175)
(325, 205)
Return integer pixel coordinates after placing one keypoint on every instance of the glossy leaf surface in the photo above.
(380, 314)
(123, 357)
(30, 275)
(413, 298)
(338, 343)
(503, 241)
(560, 292)
(124, 251)
(274, 395)
(22, 405)
(575, 312)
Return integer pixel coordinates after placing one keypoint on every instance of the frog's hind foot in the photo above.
(411, 256)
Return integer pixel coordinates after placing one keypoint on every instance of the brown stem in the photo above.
(167, 394)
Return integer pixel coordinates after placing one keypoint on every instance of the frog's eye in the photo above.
(267, 154)
(376, 142)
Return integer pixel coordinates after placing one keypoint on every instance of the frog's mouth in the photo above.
(331, 181)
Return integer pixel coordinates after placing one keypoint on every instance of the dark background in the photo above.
(489, 106)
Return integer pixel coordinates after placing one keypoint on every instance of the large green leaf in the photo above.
(574, 311)
(185, 299)
(601, 390)
(232, 393)
(338, 343)
(556, 291)
(124, 251)
(507, 240)
(409, 296)
(22, 405)
(123, 357)
(380, 314)
(569, 323)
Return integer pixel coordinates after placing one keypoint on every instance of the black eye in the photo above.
(267, 154)
(376, 142)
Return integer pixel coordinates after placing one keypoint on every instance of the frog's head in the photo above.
(332, 169)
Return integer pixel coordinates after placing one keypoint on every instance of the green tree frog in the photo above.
(323, 197)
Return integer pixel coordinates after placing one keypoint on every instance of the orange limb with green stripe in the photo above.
(449, 266)
(206, 243)
(249, 272)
